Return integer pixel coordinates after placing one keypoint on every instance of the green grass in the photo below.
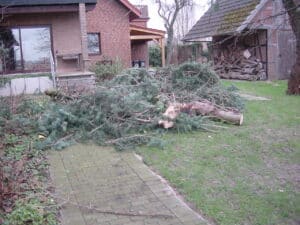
(240, 175)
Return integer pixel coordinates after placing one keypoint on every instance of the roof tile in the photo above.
(223, 17)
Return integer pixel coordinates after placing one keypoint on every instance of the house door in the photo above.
(25, 49)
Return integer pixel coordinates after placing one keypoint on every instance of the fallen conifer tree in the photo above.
(131, 108)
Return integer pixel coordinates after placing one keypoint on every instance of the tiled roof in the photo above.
(42, 2)
(223, 17)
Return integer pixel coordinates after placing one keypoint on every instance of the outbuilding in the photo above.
(250, 39)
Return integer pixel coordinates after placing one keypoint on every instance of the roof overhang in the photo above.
(205, 39)
(134, 12)
(46, 9)
(10, 3)
(144, 33)
(234, 29)
(44, 6)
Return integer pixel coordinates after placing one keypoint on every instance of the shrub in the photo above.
(191, 76)
(154, 56)
(31, 213)
(5, 109)
(4, 81)
(25, 214)
(105, 70)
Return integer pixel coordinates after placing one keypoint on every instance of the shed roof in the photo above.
(43, 2)
(223, 17)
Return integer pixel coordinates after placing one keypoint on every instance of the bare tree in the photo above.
(185, 20)
(293, 9)
(168, 10)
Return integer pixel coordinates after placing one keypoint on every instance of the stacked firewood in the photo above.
(239, 64)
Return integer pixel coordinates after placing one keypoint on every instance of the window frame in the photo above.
(19, 28)
(99, 43)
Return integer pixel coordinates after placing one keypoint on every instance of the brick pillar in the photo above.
(83, 32)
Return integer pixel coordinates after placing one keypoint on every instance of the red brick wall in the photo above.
(140, 51)
(111, 20)
(142, 23)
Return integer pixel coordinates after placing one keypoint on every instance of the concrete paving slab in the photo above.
(102, 186)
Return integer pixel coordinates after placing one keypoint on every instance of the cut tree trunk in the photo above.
(200, 108)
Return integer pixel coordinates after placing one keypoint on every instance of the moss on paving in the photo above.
(113, 183)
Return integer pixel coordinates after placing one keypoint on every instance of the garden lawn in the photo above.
(240, 175)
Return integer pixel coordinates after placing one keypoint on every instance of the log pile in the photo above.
(239, 64)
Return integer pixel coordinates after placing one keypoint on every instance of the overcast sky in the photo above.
(156, 22)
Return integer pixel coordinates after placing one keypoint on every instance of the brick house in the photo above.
(72, 34)
(258, 28)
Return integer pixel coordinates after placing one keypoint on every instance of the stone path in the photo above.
(253, 97)
(97, 185)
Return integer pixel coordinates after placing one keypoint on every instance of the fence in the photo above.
(190, 52)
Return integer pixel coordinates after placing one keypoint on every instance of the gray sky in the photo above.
(156, 22)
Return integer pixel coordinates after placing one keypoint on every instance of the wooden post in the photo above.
(163, 55)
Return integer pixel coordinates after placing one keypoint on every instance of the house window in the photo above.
(94, 43)
(25, 49)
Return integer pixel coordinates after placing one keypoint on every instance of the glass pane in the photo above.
(17, 50)
(10, 50)
(93, 43)
(36, 47)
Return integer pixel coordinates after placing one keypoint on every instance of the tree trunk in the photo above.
(202, 108)
(169, 46)
(168, 12)
(293, 9)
